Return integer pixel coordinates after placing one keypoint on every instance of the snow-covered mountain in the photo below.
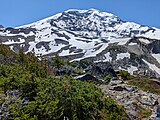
(90, 34)
(93, 23)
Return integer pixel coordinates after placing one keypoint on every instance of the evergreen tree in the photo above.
(21, 56)
(57, 62)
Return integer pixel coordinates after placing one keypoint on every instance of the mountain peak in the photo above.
(1, 26)
(91, 11)
(82, 11)
(94, 23)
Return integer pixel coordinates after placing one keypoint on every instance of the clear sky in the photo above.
(19, 12)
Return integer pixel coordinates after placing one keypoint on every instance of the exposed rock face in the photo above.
(90, 34)
(101, 69)
(133, 99)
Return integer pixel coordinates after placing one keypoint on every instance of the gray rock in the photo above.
(86, 77)
(101, 70)
(130, 88)
(115, 82)
(158, 111)
(119, 88)
(133, 100)
(147, 100)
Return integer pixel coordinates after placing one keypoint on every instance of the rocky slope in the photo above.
(133, 99)
(90, 34)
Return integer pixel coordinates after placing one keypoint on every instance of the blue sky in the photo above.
(19, 12)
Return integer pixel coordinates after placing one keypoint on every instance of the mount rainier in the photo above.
(91, 35)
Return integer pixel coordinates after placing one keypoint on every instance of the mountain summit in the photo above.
(90, 34)
(93, 23)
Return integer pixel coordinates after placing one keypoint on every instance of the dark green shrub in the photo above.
(124, 74)
(107, 79)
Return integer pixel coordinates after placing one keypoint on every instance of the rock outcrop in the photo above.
(133, 99)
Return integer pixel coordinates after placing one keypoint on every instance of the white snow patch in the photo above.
(40, 51)
(54, 47)
(64, 53)
(9, 42)
(153, 34)
(120, 41)
(131, 69)
(11, 47)
(7, 33)
(157, 57)
(41, 23)
(122, 55)
(127, 27)
(144, 40)
(91, 52)
(132, 43)
(144, 28)
(152, 67)
(108, 57)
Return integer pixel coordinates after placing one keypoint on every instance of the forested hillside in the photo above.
(29, 90)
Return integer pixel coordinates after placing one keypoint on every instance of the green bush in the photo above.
(124, 74)
(146, 113)
(107, 79)
(63, 97)
(79, 71)
(145, 84)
